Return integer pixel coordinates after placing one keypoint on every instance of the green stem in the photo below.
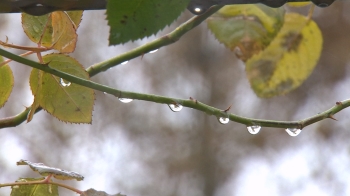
(153, 45)
(190, 103)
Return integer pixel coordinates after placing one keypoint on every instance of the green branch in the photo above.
(190, 103)
(153, 45)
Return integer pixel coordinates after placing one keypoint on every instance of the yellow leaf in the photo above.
(56, 30)
(288, 60)
(248, 28)
(6, 82)
(64, 36)
(299, 4)
(66, 101)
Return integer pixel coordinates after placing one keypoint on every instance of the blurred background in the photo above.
(145, 149)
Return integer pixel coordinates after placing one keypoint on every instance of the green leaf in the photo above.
(93, 192)
(35, 190)
(34, 27)
(250, 28)
(135, 19)
(75, 16)
(55, 172)
(289, 60)
(6, 82)
(66, 101)
(56, 30)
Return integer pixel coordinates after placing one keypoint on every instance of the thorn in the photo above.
(193, 99)
(338, 103)
(331, 117)
(228, 108)
(142, 55)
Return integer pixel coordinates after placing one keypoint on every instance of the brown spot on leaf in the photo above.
(77, 109)
(285, 85)
(292, 41)
(123, 21)
(125, 16)
(263, 69)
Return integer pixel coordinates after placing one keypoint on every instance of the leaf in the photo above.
(298, 4)
(34, 27)
(135, 19)
(36, 189)
(6, 82)
(56, 30)
(56, 172)
(288, 60)
(66, 101)
(75, 16)
(93, 192)
(250, 28)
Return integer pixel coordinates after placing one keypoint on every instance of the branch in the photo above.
(190, 103)
(103, 66)
(153, 45)
(44, 181)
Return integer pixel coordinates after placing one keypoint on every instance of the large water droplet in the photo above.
(293, 131)
(224, 120)
(175, 107)
(125, 100)
(254, 129)
(197, 9)
(63, 83)
(153, 51)
(125, 62)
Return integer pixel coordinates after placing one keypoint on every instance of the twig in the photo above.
(186, 103)
(153, 45)
(45, 181)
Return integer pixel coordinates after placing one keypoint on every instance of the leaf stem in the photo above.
(190, 103)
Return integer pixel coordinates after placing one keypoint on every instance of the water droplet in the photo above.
(175, 107)
(254, 129)
(197, 9)
(64, 84)
(153, 51)
(125, 62)
(293, 131)
(224, 120)
(125, 100)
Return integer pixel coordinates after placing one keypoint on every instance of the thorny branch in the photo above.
(184, 102)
